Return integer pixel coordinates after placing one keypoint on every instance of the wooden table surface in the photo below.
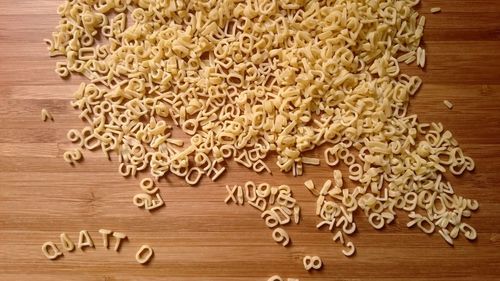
(196, 236)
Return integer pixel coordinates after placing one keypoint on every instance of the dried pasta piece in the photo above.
(423, 59)
(337, 177)
(189, 176)
(430, 226)
(286, 200)
(271, 218)
(329, 223)
(232, 194)
(312, 262)
(339, 237)
(435, 10)
(250, 191)
(51, 251)
(216, 172)
(72, 156)
(140, 199)
(310, 160)
(280, 214)
(243, 89)
(310, 186)
(66, 242)
(144, 255)
(243, 159)
(46, 115)
(296, 214)
(259, 203)
(329, 154)
(154, 203)
(127, 170)
(118, 239)
(105, 237)
(351, 249)
(469, 231)
(239, 195)
(326, 187)
(446, 236)
(62, 69)
(448, 104)
(281, 236)
(263, 190)
(376, 220)
(84, 240)
(148, 185)
(260, 166)
(147, 201)
(275, 278)
(74, 136)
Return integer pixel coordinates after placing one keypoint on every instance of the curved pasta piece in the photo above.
(49, 247)
(350, 249)
(281, 236)
(144, 255)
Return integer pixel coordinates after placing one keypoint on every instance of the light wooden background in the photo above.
(196, 236)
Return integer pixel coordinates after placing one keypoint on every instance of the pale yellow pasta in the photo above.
(84, 240)
(281, 236)
(469, 231)
(127, 170)
(250, 191)
(144, 255)
(275, 278)
(66, 242)
(148, 185)
(281, 214)
(312, 262)
(326, 187)
(147, 201)
(105, 237)
(118, 239)
(435, 10)
(328, 223)
(232, 193)
(215, 173)
(286, 200)
(448, 104)
(260, 166)
(259, 203)
(239, 195)
(51, 251)
(337, 177)
(263, 190)
(62, 69)
(271, 218)
(46, 115)
(194, 175)
(338, 237)
(72, 156)
(310, 186)
(296, 214)
(74, 136)
(428, 227)
(446, 236)
(154, 203)
(350, 249)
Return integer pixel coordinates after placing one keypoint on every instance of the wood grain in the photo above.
(196, 236)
